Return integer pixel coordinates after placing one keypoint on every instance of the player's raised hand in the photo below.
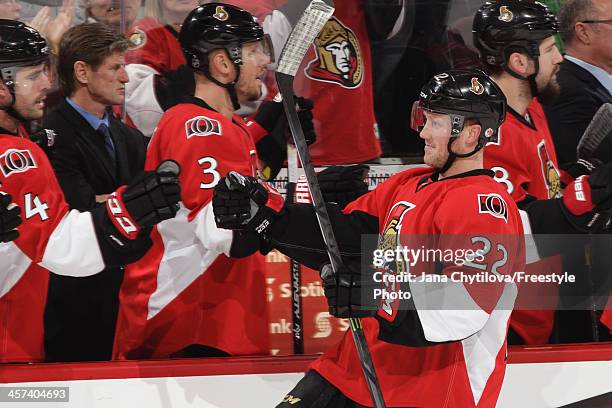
(242, 203)
(9, 218)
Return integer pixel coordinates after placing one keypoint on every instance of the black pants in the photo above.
(80, 316)
(314, 391)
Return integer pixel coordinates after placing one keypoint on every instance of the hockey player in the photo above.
(177, 300)
(51, 237)
(516, 42)
(414, 347)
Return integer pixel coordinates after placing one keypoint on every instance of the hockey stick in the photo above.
(310, 23)
(598, 129)
(295, 269)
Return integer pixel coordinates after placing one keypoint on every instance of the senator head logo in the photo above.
(221, 14)
(477, 87)
(338, 56)
(505, 14)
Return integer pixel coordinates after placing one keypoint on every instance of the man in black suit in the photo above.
(585, 75)
(94, 153)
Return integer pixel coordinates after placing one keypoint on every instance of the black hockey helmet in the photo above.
(20, 46)
(216, 26)
(462, 94)
(502, 27)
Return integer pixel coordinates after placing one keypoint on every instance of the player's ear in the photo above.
(474, 133)
(520, 63)
(5, 95)
(220, 63)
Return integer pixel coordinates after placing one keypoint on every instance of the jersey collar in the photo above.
(522, 119)
(435, 177)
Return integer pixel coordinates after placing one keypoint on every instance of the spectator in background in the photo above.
(585, 76)
(109, 12)
(156, 51)
(94, 154)
(10, 9)
(52, 8)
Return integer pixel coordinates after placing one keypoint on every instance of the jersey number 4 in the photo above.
(33, 206)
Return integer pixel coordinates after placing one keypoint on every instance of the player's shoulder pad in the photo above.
(19, 155)
(484, 199)
(195, 121)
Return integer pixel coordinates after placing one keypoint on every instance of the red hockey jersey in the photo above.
(467, 368)
(525, 161)
(336, 74)
(50, 237)
(186, 290)
(155, 46)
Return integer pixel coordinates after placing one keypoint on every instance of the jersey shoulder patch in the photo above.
(202, 126)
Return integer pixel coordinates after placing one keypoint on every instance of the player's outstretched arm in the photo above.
(242, 203)
(123, 224)
(9, 218)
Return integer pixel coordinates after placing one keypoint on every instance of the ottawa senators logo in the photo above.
(138, 38)
(202, 126)
(505, 14)
(494, 205)
(221, 14)
(390, 240)
(337, 56)
(477, 88)
(549, 172)
(16, 161)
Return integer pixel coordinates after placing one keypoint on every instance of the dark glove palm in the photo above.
(343, 184)
(600, 181)
(9, 219)
(349, 292)
(153, 196)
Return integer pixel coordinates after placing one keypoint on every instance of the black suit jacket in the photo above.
(81, 162)
(581, 95)
(81, 313)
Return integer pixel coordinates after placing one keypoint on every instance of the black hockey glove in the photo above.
(272, 148)
(343, 184)
(150, 198)
(587, 201)
(242, 203)
(9, 218)
(350, 292)
(581, 167)
(45, 138)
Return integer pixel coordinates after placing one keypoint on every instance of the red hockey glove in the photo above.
(242, 203)
(350, 291)
(587, 200)
(9, 218)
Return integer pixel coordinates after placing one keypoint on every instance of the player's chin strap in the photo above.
(531, 79)
(452, 155)
(230, 87)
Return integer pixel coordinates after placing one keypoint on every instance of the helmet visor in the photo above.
(260, 49)
(439, 124)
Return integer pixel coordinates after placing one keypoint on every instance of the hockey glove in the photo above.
(343, 184)
(272, 147)
(580, 167)
(9, 218)
(587, 201)
(350, 291)
(45, 138)
(242, 203)
(150, 198)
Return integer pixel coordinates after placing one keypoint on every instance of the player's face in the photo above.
(10, 9)
(436, 133)
(255, 57)
(106, 84)
(546, 80)
(31, 86)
